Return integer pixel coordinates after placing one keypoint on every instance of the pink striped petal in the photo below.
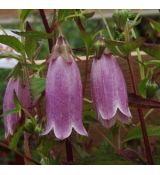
(63, 99)
(109, 91)
(23, 94)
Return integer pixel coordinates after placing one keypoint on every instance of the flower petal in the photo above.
(63, 98)
(10, 120)
(23, 94)
(109, 90)
(122, 96)
(103, 89)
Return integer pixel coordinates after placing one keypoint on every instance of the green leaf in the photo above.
(142, 87)
(82, 153)
(63, 14)
(87, 14)
(88, 40)
(11, 111)
(152, 62)
(126, 47)
(16, 137)
(155, 25)
(45, 145)
(136, 133)
(151, 88)
(152, 50)
(104, 155)
(120, 18)
(16, 102)
(37, 86)
(12, 42)
(35, 34)
(30, 46)
(9, 55)
(36, 67)
(24, 14)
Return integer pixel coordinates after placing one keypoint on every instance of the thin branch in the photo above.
(141, 118)
(82, 29)
(3, 145)
(47, 28)
(69, 151)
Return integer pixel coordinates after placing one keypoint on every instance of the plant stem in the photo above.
(47, 28)
(69, 151)
(146, 115)
(3, 145)
(27, 149)
(141, 118)
(140, 112)
(82, 29)
(141, 67)
(119, 137)
(109, 31)
(53, 26)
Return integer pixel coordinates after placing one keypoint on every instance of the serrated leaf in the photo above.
(136, 133)
(12, 42)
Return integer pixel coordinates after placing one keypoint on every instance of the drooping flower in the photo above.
(63, 93)
(109, 91)
(23, 94)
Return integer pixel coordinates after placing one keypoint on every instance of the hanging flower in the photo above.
(22, 92)
(109, 91)
(63, 93)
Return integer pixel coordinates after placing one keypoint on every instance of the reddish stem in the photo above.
(47, 28)
(69, 152)
(27, 151)
(3, 145)
(141, 118)
(82, 29)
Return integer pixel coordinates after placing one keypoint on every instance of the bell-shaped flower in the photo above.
(63, 93)
(23, 94)
(109, 91)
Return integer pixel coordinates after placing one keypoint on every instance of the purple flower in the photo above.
(109, 91)
(63, 93)
(22, 91)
